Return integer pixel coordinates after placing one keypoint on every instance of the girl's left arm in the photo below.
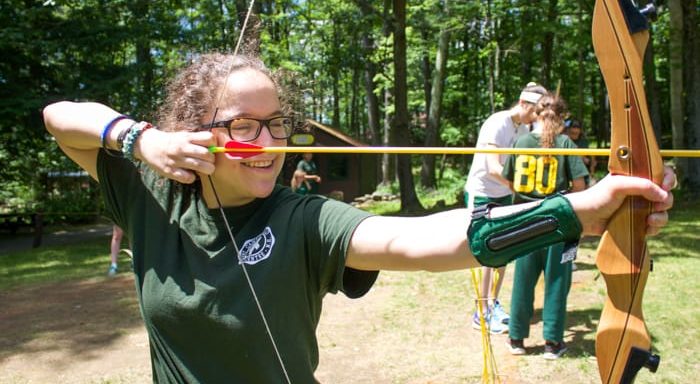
(437, 242)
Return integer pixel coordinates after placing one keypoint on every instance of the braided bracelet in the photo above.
(131, 137)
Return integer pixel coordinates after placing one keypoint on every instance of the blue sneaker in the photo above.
(476, 321)
(112, 270)
(495, 327)
(499, 314)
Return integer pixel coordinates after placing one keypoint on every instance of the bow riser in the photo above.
(622, 254)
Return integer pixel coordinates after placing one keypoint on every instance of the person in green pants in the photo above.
(535, 178)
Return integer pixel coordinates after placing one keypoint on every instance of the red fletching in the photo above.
(238, 151)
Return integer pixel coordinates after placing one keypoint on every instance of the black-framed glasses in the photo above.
(248, 129)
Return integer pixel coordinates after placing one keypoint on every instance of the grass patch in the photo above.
(55, 263)
(447, 195)
(438, 303)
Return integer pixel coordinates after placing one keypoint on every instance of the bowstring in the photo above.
(223, 214)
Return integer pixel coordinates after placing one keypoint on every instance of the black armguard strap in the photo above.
(495, 242)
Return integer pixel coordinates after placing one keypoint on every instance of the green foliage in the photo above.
(449, 190)
(124, 52)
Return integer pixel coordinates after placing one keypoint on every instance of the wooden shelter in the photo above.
(351, 174)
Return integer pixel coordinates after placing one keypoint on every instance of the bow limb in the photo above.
(623, 345)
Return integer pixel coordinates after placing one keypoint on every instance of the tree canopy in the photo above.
(342, 54)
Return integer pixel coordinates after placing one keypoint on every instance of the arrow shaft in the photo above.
(444, 150)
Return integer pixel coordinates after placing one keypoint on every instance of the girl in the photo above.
(230, 268)
(534, 178)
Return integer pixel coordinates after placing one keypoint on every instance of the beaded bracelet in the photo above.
(107, 128)
(131, 137)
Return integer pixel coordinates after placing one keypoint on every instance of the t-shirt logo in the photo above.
(258, 248)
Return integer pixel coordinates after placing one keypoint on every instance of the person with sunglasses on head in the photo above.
(485, 185)
(230, 267)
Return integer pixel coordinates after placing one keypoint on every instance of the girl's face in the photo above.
(247, 93)
(527, 113)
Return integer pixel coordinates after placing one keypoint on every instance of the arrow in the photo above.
(238, 150)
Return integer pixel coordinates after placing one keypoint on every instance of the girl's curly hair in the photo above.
(193, 92)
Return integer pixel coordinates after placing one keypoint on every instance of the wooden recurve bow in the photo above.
(623, 345)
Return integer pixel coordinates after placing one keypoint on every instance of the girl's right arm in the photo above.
(78, 129)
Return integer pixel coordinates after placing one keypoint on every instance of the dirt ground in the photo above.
(75, 332)
(91, 332)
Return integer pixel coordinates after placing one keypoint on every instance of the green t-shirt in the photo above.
(201, 318)
(535, 177)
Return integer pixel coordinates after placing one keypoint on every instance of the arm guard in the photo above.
(495, 242)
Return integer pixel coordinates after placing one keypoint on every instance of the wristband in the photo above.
(495, 242)
(107, 128)
(131, 137)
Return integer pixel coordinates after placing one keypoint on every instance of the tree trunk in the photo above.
(526, 39)
(691, 44)
(548, 45)
(432, 129)
(490, 32)
(581, 66)
(144, 64)
(369, 14)
(400, 131)
(388, 161)
(651, 89)
(357, 106)
(371, 97)
(335, 122)
(675, 64)
(425, 68)
(370, 70)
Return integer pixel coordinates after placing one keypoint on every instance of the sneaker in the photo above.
(476, 321)
(112, 270)
(499, 313)
(553, 351)
(516, 347)
(496, 327)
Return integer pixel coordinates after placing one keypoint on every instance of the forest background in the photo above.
(384, 72)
